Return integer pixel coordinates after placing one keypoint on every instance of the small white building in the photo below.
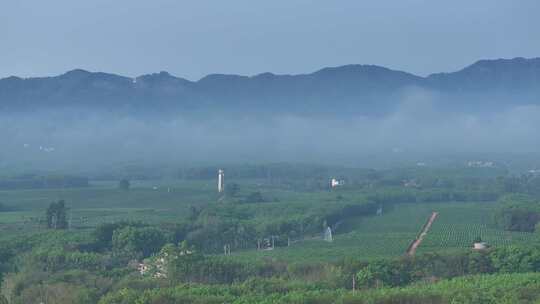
(480, 246)
(412, 183)
(335, 182)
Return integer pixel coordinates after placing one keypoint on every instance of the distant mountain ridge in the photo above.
(362, 89)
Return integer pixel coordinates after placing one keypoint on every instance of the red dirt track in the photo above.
(414, 245)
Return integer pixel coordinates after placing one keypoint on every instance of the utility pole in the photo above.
(353, 284)
(70, 219)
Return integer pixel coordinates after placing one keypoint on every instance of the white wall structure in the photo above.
(328, 235)
(221, 181)
(336, 182)
(480, 246)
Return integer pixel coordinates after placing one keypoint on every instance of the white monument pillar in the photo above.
(221, 181)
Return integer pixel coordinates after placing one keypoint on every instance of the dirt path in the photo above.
(414, 245)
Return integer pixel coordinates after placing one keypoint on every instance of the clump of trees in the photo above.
(518, 212)
(137, 242)
(57, 215)
(400, 272)
(124, 184)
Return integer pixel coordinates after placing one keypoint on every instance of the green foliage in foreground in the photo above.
(515, 288)
(115, 230)
(73, 270)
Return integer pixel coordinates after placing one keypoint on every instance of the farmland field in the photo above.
(458, 225)
(147, 201)
(390, 234)
(365, 237)
(155, 201)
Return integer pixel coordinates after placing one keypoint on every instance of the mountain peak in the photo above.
(517, 61)
(76, 72)
(221, 77)
(162, 77)
(12, 78)
(266, 75)
(510, 75)
(353, 68)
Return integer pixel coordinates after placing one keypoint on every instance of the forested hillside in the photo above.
(351, 89)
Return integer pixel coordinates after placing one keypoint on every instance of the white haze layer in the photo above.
(57, 139)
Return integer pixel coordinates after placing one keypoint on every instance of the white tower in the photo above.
(221, 181)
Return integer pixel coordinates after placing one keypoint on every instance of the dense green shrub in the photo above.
(138, 242)
(517, 288)
(517, 213)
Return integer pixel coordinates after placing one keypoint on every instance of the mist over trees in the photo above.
(347, 114)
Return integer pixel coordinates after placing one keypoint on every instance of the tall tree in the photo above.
(56, 215)
(124, 184)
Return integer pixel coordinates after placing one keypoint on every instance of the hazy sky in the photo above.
(194, 38)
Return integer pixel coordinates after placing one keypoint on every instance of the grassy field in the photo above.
(104, 202)
(147, 201)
